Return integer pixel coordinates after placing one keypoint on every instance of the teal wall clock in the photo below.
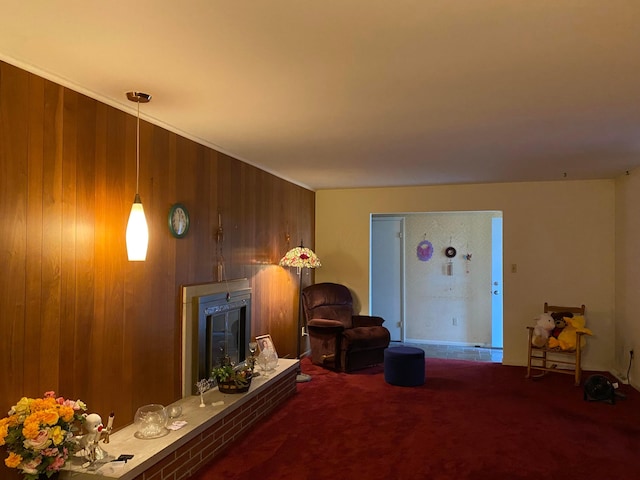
(178, 220)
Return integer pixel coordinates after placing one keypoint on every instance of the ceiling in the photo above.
(360, 93)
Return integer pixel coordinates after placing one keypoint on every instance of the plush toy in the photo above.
(559, 319)
(567, 339)
(544, 326)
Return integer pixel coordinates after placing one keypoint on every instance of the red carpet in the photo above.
(469, 421)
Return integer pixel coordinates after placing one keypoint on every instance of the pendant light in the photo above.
(137, 230)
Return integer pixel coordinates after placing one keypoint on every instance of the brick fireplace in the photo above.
(209, 430)
(211, 313)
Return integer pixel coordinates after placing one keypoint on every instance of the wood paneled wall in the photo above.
(76, 316)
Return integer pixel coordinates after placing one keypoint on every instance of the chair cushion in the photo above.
(340, 313)
(367, 321)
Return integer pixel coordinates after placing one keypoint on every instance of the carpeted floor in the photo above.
(469, 421)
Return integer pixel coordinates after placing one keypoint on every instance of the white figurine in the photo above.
(89, 441)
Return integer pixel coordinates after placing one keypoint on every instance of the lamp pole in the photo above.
(300, 313)
(300, 257)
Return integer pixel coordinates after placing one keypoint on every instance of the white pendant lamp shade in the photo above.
(137, 229)
(137, 232)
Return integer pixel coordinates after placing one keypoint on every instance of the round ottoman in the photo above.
(404, 366)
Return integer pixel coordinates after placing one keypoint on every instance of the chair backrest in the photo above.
(556, 309)
(330, 301)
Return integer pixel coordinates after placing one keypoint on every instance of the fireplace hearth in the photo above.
(216, 322)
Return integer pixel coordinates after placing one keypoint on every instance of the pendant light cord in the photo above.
(138, 148)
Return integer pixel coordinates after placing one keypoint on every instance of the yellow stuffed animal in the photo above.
(567, 338)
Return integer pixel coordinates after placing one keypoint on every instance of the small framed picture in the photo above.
(265, 343)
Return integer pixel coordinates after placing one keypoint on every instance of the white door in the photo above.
(496, 282)
(387, 291)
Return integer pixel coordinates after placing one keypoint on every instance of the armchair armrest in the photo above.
(325, 326)
(367, 321)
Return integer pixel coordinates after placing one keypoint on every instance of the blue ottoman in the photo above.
(404, 366)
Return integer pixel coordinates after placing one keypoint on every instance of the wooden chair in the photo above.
(566, 358)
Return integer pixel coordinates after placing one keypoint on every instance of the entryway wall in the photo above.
(559, 243)
(447, 299)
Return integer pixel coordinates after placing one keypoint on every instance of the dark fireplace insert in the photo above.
(217, 325)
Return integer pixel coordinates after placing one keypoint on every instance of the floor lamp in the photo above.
(300, 257)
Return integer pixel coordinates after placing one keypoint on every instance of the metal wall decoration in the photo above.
(467, 257)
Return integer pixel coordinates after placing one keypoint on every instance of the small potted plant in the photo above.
(232, 380)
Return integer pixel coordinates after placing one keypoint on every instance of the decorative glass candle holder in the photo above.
(174, 411)
(151, 421)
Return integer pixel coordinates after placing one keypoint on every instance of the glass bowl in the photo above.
(151, 421)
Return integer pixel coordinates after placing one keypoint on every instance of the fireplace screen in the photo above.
(224, 329)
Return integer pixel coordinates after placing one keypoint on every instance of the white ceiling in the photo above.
(360, 93)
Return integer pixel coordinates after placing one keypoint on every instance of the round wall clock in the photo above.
(178, 220)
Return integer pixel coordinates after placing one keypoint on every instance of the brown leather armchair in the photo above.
(339, 339)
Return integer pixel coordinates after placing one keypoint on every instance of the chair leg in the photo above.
(528, 375)
(578, 360)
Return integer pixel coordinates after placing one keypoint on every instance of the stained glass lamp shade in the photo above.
(300, 257)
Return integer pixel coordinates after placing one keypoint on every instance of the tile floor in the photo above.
(477, 354)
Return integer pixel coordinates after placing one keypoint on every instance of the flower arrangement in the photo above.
(39, 434)
(232, 380)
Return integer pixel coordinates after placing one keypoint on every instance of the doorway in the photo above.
(448, 294)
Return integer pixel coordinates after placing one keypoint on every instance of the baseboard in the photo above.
(621, 377)
(453, 344)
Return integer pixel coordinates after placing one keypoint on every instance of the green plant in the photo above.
(228, 374)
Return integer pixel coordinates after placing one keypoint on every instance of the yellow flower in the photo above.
(57, 435)
(22, 408)
(38, 404)
(12, 421)
(66, 413)
(13, 460)
(50, 417)
(31, 428)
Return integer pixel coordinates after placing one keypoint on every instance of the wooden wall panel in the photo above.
(14, 147)
(76, 348)
(77, 317)
(34, 238)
